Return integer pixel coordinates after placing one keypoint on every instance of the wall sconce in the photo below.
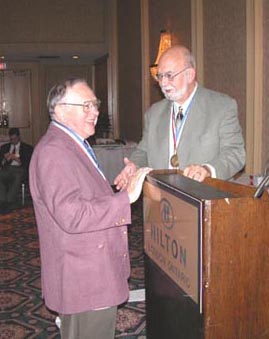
(164, 44)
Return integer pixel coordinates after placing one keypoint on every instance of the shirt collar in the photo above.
(68, 131)
(16, 146)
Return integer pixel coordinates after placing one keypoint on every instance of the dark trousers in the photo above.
(10, 183)
(89, 325)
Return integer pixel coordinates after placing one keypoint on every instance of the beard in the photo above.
(174, 95)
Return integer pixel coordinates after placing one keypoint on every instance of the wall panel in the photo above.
(225, 50)
(265, 132)
(129, 66)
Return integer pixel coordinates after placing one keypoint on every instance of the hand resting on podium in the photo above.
(195, 172)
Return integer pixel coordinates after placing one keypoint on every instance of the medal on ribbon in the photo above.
(174, 161)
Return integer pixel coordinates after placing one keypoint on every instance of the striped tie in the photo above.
(179, 117)
(91, 152)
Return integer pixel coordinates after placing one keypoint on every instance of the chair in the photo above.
(120, 142)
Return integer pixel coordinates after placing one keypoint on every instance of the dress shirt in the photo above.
(175, 108)
(17, 152)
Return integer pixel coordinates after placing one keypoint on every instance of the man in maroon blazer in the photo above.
(81, 221)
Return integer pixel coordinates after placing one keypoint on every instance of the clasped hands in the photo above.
(11, 156)
(196, 172)
(131, 179)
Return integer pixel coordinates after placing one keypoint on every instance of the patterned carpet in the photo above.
(22, 311)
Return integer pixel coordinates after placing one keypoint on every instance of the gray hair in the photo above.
(180, 51)
(58, 91)
(189, 58)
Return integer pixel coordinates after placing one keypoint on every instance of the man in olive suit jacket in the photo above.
(204, 140)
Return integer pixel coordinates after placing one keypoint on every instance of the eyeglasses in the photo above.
(169, 75)
(87, 105)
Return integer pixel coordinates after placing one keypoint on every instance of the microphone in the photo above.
(262, 186)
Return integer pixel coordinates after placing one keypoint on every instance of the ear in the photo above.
(59, 113)
(191, 74)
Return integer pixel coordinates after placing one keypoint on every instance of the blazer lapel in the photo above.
(163, 133)
(196, 116)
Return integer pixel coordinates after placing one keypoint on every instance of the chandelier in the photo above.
(4, 104)
(164, 44)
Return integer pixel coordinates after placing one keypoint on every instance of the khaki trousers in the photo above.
(89, 325)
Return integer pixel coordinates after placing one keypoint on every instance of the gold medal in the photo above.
(174, 161)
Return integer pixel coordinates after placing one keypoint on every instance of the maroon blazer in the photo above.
(82, 228)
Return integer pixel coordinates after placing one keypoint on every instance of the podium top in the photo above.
(207, 190)
(178, 182)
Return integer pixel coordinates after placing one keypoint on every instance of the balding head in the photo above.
(178, 53)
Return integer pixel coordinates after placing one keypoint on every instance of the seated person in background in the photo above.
(14, 159)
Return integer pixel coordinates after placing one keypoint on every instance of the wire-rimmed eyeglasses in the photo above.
(87, 105)
(169, 75)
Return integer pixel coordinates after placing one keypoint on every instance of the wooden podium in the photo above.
(206, 259)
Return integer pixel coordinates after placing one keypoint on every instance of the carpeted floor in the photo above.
(22, 311)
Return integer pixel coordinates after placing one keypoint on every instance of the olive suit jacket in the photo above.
(211, 135)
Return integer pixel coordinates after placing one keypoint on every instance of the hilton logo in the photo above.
(167, 214)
